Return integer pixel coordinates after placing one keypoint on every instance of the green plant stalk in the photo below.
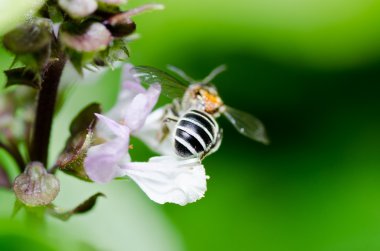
(45, 110)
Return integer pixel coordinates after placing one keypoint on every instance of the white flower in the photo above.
(165, 179)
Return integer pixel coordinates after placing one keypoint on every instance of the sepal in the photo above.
(117, 51)
(84, 207)
(71, 160)
(23, 76)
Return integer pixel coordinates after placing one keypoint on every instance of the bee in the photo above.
(197, 134)
(195, 106)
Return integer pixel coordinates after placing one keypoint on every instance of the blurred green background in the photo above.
(310, 71)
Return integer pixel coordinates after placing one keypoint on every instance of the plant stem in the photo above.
(45, 110)
(15, 153)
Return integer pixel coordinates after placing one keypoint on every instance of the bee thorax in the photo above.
(204, 98)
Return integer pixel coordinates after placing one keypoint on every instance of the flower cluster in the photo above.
(89, 32)
(164, 178)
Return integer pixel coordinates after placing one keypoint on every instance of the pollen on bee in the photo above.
(131, 147)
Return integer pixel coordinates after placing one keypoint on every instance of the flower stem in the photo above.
(45, 110)
(15, 153)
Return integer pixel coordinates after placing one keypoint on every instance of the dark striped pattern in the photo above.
(195, 133)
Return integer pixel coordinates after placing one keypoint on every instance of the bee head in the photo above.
(206, 98)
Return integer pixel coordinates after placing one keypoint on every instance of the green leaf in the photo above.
(23, 76)
(84, 207)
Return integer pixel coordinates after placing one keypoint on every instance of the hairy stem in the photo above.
(45, 111)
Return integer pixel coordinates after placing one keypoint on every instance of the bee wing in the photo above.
(171, 87)
(247, 124)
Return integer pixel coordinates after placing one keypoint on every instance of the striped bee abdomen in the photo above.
(195, 133)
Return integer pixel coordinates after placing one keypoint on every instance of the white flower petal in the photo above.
(167, 179)
(151, 133)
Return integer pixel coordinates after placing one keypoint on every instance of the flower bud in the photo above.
(78, 8)
(29, 37)
(95, 37)
(121, 23)
(36, 187)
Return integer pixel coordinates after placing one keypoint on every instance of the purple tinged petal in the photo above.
(114, 127)
(102, 163)
(135, 103)
(140, 107)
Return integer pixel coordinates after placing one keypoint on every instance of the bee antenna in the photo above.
(214, 73)
(180, 73)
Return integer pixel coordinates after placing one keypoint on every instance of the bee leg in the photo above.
(214, 147)
(170, 119)
(163, 133)
(169, 116)
(218, 141)
(176, 107)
